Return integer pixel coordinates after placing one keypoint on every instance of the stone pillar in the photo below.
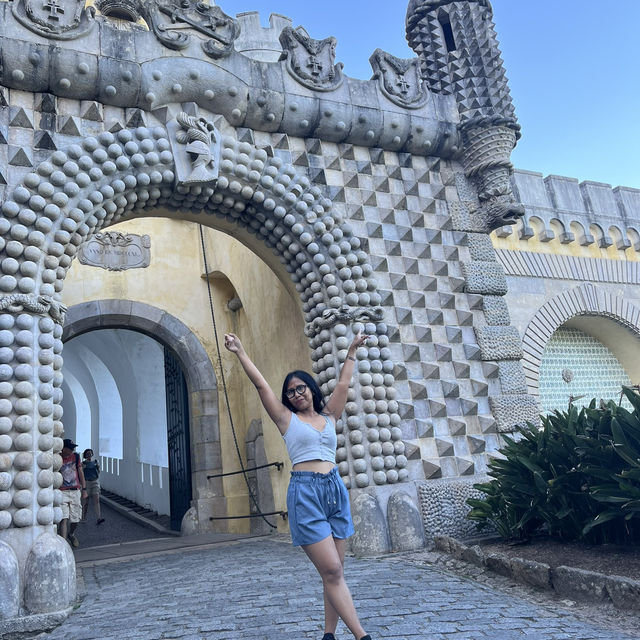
(34, 558)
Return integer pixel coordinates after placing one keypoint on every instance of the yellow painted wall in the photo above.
(270, 324)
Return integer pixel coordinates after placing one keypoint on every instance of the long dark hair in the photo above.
(316, 394)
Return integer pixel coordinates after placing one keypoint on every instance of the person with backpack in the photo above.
(74, 489)
(91, 469)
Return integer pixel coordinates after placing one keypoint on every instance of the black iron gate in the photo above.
(178, 439)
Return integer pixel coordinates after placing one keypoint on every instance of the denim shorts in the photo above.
(318, 505)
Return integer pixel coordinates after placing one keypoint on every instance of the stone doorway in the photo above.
(125, 397)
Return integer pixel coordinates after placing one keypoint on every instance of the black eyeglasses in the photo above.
(300, 389)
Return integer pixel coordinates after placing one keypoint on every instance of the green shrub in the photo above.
(577, 477)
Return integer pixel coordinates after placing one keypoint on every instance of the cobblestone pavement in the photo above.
(263, 589)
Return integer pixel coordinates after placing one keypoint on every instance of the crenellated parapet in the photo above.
(95, 58)
(584, 213)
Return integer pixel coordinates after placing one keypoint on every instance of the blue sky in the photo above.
(573, 68)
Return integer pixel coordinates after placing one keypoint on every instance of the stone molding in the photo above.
(559, 267)
(585, 299)
(259, 95)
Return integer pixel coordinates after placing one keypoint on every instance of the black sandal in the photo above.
(328, 636)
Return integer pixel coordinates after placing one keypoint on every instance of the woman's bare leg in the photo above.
(327, 561)
(330, 614)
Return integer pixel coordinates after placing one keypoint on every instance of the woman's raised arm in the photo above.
(337, 400)
(276, 410)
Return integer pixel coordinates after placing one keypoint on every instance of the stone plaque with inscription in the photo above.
(116, 251)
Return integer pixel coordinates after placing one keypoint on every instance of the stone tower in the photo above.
(458, 50)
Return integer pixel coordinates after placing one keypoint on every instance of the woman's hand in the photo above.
(232, 343)
(358, 341)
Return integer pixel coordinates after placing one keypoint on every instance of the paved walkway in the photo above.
(263, 589)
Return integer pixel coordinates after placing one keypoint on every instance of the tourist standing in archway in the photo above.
(317, 499)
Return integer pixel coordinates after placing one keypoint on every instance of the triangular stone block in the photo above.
(468, 407)
(90, 110)
(450, 389)
(19, 158)
(424, 428)
(423, 334)
(444, 447)
(488, 424)
(457, 427)
(465, 466)
(47, 103)
(472, 351)
(19, 118)
(443, 353)
(411, 451)
(431, 470)
(418, 390)
(479, 388)
(430, 371)
(476, 445)
(461, 369)
(69, 126)
(43, 140)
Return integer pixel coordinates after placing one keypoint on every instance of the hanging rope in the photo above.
(224, 384)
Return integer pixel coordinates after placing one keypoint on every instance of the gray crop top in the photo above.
(306, 443)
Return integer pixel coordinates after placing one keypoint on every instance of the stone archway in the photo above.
(584, 300)
(207, 496)
(186, 167)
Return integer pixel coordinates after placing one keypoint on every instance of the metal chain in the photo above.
(224, 383)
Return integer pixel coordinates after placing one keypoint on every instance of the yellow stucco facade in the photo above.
(270, 324)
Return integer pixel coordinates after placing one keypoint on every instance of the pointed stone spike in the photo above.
(444, 447)
(479, 388)
(20, 118)
(472, 351)
(403, 315)
(411, 451)
(437, 409)
(450, 389)
(490, 369)
(423, 334)
(411, 352)
(19, 157)
(461, 369)
(476, 444)
(115, 127)
(430, 371)
(424, 428)
(465, 466)
(488, 424)
(69, 125)
(431, 469)
(91, 110)
(468, 407)
(43, 140)
(418, 390)
(443, 353)
(457, 427)
(454, 334)
(47, 103)
(406, 411)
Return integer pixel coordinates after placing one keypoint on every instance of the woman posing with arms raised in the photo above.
(317, 500)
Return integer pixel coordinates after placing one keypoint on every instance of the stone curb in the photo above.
(577, 584)
(136, 517)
